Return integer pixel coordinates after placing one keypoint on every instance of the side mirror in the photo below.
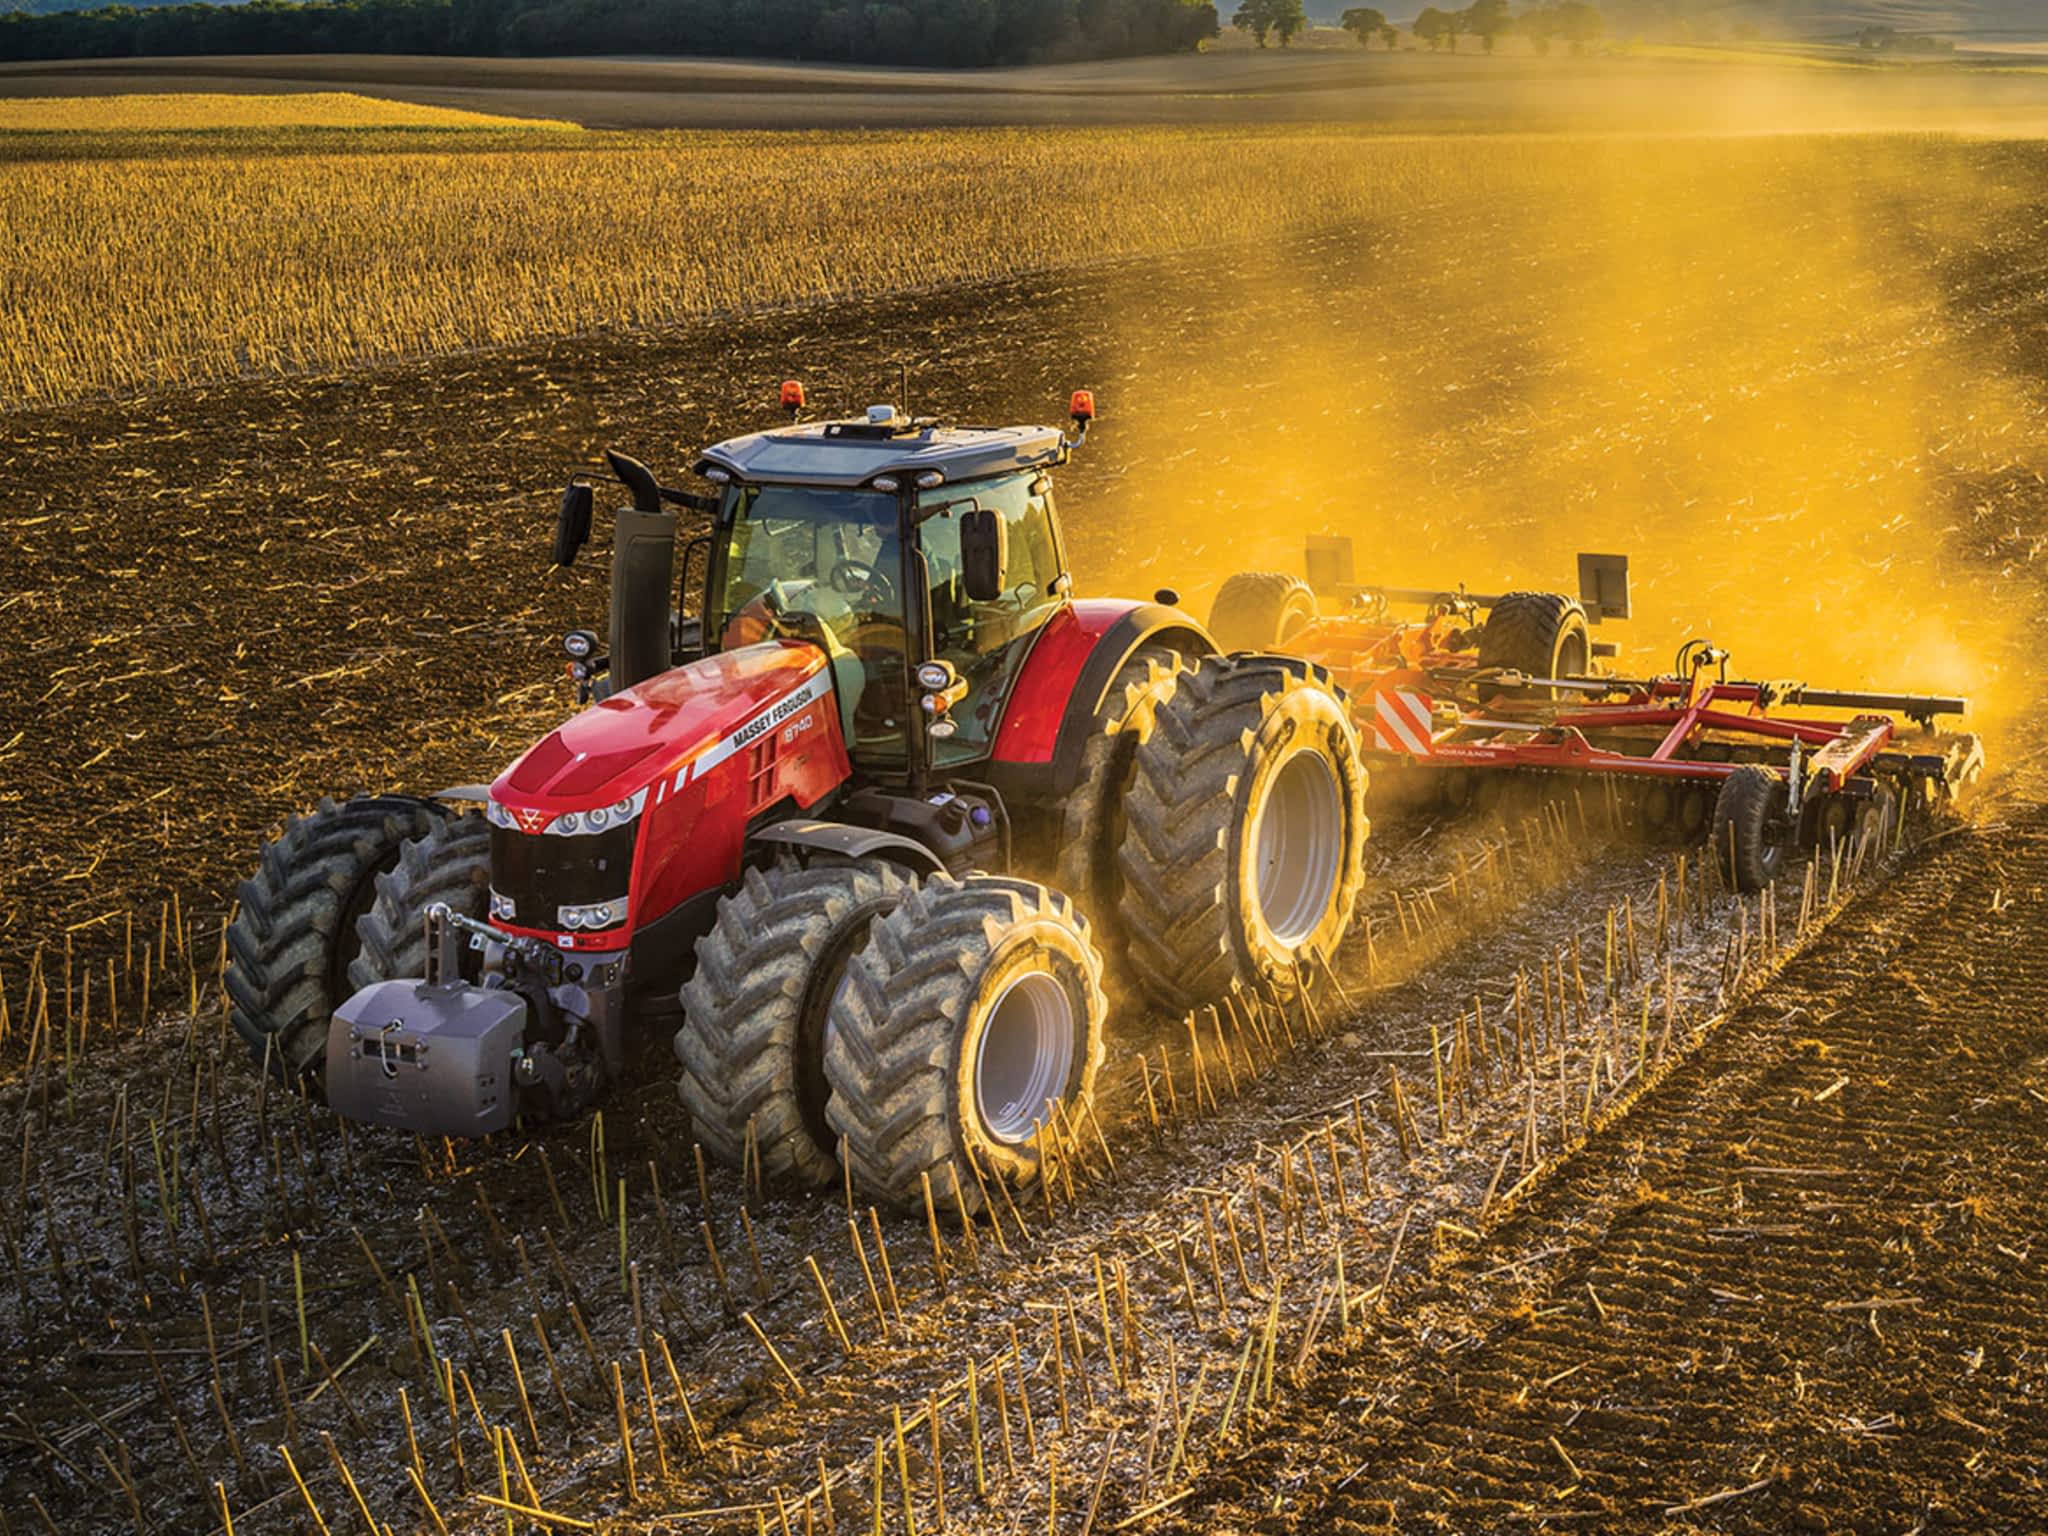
(572, 523)
(984, 553)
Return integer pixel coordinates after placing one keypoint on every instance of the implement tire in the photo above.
(451, 864)
(755, 1011)
(1261, 611)
(1539, 634)
(1751, 835)
(973, 1003)
(1245, 828)
(1091, 819)
(294, 934)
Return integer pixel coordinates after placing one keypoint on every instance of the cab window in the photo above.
(987, 641)
(825, 566)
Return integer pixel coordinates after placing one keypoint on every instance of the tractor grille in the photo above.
(540, 873)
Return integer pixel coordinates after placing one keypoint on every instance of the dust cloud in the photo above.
(1778, 373)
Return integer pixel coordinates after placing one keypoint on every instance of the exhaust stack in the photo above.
(643, 578)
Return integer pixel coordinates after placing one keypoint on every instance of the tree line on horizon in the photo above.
(1575, 22)
(957, 33)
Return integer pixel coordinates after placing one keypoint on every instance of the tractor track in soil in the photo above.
(1806, 1274)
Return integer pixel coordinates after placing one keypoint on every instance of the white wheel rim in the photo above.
(1023, 1056)
(1298, 843)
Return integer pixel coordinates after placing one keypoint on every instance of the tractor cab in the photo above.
(922, 558)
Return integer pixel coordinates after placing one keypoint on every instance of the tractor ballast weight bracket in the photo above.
(437, 1058)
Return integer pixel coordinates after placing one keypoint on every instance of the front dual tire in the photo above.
(975, 1003)
(756, 1011)
(920, 1028)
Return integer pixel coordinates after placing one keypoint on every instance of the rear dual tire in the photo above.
(1091, 818)
(1245, 829)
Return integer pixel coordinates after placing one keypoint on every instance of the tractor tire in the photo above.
(294, 934)
(755, 1011)
(1261, 611)
(973, 1003)
(451, 864)
(1539, 634)
(1244, 831)
(1091, 819)
(1751, 835)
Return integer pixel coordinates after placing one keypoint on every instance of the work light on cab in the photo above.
(792, 396)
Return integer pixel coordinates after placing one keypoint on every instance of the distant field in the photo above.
(182, 265)
(181, 112)
(1688, 89)
(312, 229)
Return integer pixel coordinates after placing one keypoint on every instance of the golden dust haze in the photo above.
(1775, 371)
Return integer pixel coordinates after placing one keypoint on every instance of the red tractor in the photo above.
(866, 809)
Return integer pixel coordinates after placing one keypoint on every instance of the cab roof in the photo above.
(853, 452)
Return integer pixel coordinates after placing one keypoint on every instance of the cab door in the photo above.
(986, 641)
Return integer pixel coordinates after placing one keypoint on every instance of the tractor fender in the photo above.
(850, 842)
(1060, 690)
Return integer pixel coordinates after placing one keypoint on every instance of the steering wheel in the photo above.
(858, 579)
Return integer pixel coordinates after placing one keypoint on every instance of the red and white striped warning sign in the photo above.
(1401, 721)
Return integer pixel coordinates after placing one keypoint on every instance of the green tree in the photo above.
(1264, 17)
(1255, 17)
(1579, 24)
(1432, 26)
(1540, 27)
(1363, 23)
(1487, 20)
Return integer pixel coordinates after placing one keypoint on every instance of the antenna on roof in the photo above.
(903, 369)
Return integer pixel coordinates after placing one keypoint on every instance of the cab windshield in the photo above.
(827, 566)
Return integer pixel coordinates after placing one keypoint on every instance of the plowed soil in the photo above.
(1802, 1288)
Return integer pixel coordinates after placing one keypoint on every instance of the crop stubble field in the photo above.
(1795, 378)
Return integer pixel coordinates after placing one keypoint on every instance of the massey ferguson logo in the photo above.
(531, 820)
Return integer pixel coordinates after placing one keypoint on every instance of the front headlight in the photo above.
(570, 823)
(595, 914)
(600, 819)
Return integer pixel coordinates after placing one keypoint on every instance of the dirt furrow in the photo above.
(1806, 1274)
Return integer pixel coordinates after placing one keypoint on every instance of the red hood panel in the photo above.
(620, 746)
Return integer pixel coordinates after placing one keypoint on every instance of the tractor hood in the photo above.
(655, 735)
